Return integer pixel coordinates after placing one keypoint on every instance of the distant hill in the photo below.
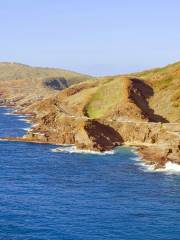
(26, 83)
(12, 71)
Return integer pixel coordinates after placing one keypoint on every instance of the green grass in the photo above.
(107, 96)
(163, 83)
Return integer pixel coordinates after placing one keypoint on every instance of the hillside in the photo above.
(152, 96)
(98, 114)
(165, 83)
(22, 84)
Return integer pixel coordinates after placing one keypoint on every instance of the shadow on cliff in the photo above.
(56, 83)
(140, 93)
(103, 136)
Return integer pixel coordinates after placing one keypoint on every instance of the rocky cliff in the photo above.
(140, 109)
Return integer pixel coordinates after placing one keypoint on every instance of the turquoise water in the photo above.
(47, 195)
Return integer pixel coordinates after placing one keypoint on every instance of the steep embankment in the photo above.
(165, 83)
(22, 85)
(101, 99)
(112, 101)
(102, 113)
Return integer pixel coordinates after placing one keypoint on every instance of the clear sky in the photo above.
(98, 37)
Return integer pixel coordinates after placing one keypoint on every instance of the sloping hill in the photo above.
(148, 96)
(22, 84)
(99, 114)
(165, 83)
(152, 95)
(112, 99)
(13, 71)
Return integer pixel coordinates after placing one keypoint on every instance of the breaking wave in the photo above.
(169, 168)
(142, 165)
(24, 120)
(172, 167)
(24, 115)
(9, 113)
(26, 129)
(73, 149)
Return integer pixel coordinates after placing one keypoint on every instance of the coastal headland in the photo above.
(141, 110)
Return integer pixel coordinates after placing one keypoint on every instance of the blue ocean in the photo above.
(49, 195)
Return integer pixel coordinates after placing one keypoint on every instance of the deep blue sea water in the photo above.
(47, 195)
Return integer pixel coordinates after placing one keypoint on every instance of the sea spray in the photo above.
(26, 129)
(73, 149)
(24, 120)
(142, 165)
(169, 168)
(172, 167)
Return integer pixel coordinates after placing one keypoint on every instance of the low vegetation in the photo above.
(152, 95)
(105, 98)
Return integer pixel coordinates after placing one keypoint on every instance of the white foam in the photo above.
(2, 139)
(172, 167)
(24, 120)
(73, 149)
(142, 165)
(35, 124)
(26, 129)
(21, 116)
(169, 168)
(24, 116)
(14, 112)
(9, 113)
(134, 150)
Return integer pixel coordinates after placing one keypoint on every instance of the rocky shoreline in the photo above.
(156, 147)
(98, 114)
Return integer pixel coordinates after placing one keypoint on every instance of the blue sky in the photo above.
(98, 37)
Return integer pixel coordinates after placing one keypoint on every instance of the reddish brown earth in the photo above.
(100, 114)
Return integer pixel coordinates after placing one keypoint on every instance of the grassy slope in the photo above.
(103, 98)
(120, 97)
(166, 86)
(135, 97)
(107, 95)
(151, 95)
